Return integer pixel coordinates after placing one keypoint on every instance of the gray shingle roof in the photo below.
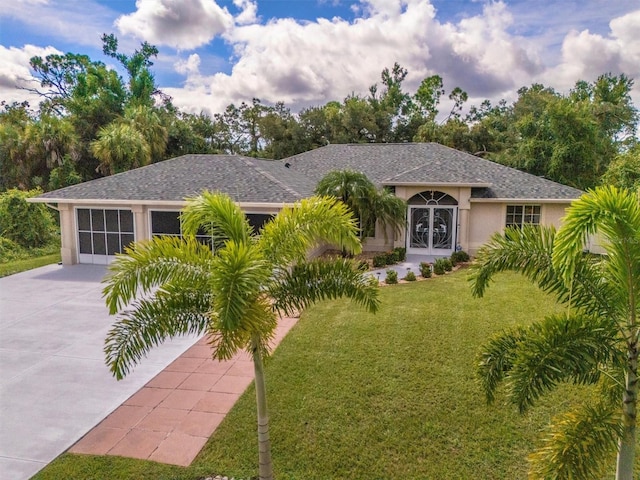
(244, 179)
(251, 180)
(428, 163)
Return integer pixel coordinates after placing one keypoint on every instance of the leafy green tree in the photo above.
(235, 292)
(624, 170)
(570, 138)
(367, 203)
(452, 131)
(142, 87)
(17, 167)
(64, 175)
(391, 107)
(281, 132)
(595, 342)
(28, 224)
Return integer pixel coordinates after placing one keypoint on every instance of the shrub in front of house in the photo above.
(425, 269)
(459, 257)
(401, 253)
(379, 261)
(392, 257)
(448, 266)
(392, 277)
(439, 267)
(410, 276)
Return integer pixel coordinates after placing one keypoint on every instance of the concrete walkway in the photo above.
(54, 385)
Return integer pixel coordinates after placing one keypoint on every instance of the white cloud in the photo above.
(303, 63)
(587, 55)
(189, 66)
(181, 24)
(70, 20)
(248, 12)
(15, 74)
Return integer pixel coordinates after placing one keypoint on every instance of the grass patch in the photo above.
(352, 395)
(16, 259)
(17, 266)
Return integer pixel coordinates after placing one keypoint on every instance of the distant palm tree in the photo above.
(368, 203)
(120, 147)
(595, 342)
(146, 120)
(233, 292)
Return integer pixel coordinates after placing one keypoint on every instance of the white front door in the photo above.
(432, 230)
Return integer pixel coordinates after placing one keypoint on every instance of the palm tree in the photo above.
(363, 198)
(594, 342)
(235, 291)
(146, 120)
(120, 147)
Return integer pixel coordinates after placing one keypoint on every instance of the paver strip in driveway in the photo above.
(171, 418)
(54, 385)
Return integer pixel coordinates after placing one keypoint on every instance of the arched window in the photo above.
(432, 197)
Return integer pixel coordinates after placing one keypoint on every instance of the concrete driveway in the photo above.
(54, 385)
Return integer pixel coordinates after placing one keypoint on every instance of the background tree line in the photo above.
(93, 122)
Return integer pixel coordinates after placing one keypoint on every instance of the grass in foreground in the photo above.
(353, 395)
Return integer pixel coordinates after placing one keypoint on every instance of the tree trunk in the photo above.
(264, 444)
(627, 445)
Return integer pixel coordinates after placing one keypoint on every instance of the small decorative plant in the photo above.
(380, 261)
(392, 277)
(410, 276)
(425, 269)
(392, 257)
(439, 267)
(401, 253)
(459, 257)
(448, 266)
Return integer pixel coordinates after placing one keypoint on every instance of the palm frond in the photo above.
(238, 273)
(150, 322)
(314, 221)
(496, 359)
(309, 282)
(150, 264)
(558, 349)
(527, 250)
(218, 215)
(578, 445)
(615, 214)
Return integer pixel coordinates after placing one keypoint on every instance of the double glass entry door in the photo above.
(432, 230)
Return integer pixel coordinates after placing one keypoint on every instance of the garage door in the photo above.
(102, 233)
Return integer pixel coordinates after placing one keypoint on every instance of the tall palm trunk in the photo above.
(626, 448)
(264, 444)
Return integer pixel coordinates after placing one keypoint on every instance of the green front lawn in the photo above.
(360, 396)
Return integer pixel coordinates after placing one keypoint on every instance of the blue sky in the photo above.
(307, 52)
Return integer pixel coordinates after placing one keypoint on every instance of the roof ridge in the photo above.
(388, 179)
(249, 161)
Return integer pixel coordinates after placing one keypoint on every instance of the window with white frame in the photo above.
(520, 215)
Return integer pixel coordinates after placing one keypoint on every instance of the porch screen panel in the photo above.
(103, 232)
